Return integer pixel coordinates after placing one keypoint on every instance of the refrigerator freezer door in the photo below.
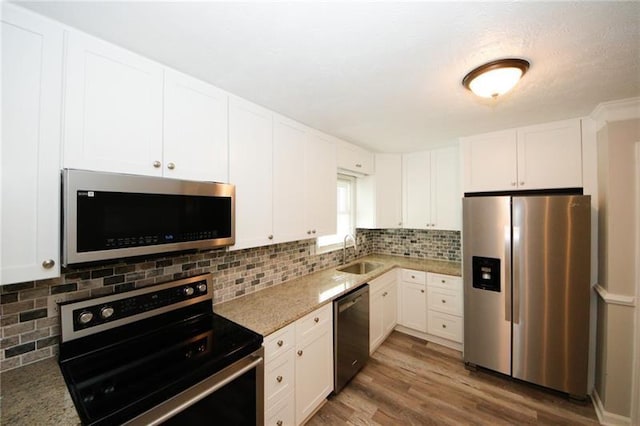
(551, 267)
(486, 235)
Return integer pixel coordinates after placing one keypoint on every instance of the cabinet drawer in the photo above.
(445, 325)
(444, 300)
(282, 414)
(444, 281)
(278, 379)
(279, 342)
(315, 322)
(412, 276)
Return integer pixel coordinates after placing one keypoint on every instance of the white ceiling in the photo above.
(385, 75)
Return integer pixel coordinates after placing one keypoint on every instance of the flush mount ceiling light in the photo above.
(495, 78)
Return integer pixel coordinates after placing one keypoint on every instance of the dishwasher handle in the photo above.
(347, 304)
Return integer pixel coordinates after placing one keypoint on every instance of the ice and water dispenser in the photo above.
(486, 273)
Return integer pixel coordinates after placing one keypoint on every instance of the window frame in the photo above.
(334, 242)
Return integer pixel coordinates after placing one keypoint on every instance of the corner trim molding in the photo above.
(623, 109)
(605, 417)
(613, 298)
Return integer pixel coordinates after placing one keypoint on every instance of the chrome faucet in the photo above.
(344, 247)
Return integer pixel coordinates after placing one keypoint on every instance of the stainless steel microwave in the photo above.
(111, 216)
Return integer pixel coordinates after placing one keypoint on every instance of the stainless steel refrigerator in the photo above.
(526, 288)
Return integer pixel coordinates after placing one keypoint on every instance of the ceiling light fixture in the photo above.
(496, 77)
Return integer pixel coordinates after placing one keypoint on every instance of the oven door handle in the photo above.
(188, 397)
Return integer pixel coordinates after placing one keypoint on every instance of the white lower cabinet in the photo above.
(412, 303)
(383, 308)
(299, 368)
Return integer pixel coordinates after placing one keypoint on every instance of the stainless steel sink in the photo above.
(360, 268)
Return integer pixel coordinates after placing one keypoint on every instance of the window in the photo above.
(346, 211)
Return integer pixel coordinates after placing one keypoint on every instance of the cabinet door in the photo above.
(354, 159)
(390, 308)
(446, 196)
(113, 108)
(417, 190)
(550, 155)
(388, 191)
(250, 170)
(376, 320)
(413, 306)
(321, 181)
(314, 361)
(289, 218)
(489, 162)
(31, 104)
(195, 129)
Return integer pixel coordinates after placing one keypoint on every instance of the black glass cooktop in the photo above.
(116, 375)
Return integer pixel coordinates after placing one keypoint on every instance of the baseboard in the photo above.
(604, 417)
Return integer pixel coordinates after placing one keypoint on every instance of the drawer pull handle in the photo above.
(316, 319)
(280, 343)
(300, 352)
(444, 325)
(279, 379)
(279, 423)
(48, 264)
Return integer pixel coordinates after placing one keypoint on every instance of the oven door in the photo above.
(233, 396)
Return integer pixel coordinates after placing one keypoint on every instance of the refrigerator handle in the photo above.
(506, 278)
(516, 275)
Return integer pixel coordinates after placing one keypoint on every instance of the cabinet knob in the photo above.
(279, 379)
(157, 164)
(384, 294)
(444, 301)
(422, 291)
(279, 423)
(300, 352)
(444, 325)
(399, 223)
(358, 165)
(313, 231)
(309, 232)
(270, 237)
(171, 166)
(48, 264)
(316, 319)
(521, 183)
(413, 277)
(433, 225)
(280, 343)
(443, 281)
(513, 184)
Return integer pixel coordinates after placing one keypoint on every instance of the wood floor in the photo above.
(411, 382)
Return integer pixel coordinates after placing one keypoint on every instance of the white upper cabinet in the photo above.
(113, 108)
(195, 129)
(352, 158)
(321, 182)
(416, 185)
(250, 170)
(379, 196)
(550, 155)
(446, 194)
(31, 114)
(535, 157)
(431, 188)
(289, 213)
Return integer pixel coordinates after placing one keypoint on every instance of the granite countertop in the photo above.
(37, 394)
(270, 309)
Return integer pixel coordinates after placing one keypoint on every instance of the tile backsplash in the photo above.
(30, 331)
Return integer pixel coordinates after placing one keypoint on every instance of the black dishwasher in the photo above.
(350, 335)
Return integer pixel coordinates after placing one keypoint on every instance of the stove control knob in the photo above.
(202, 288)
(85, 317)
(106, 312)
(188, 291)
